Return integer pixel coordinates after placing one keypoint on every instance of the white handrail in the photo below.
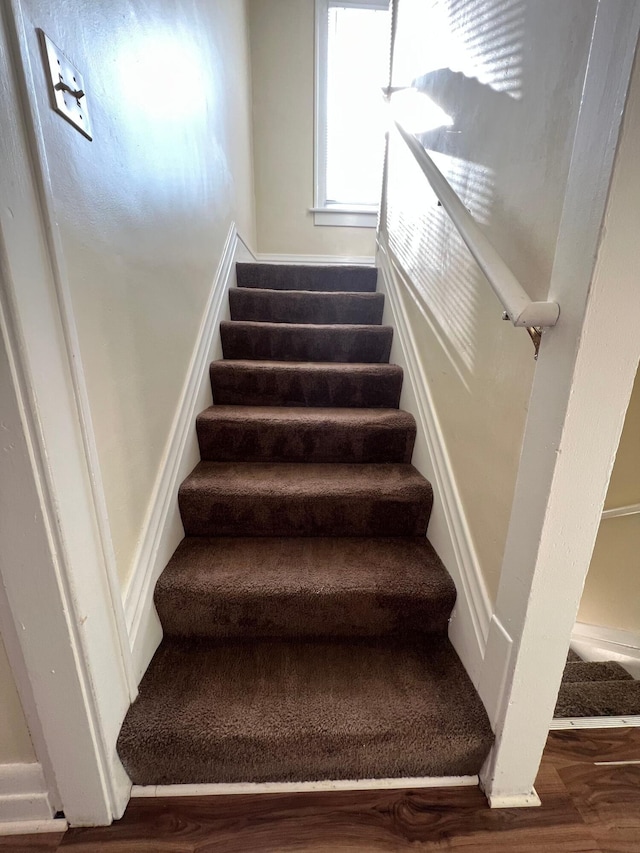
(519, 308)
(621, 511)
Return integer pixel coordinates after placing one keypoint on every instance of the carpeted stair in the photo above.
(305, 613)
(597, 689)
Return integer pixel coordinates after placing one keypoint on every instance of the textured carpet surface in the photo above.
(273, 383)
(304, 587)
(305, 342)
(287, 499)
(292, 277)
(305, 614)
(597, 689)
(289, 711)
(295, 306)
(286, 434)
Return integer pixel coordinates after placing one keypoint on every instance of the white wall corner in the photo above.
(162, 530)
(23, 794)
(449, 531)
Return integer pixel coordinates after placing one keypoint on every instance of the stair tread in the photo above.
(305, 499)
(342, 277)
(320, 416)
(294, 434)
(305, 384)
(619, 698)
(303, 306)
(294, 711)
(584, 671)
(346, 343)
(308, 479)
(312, 587)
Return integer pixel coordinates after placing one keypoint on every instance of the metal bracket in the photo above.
(534, 332)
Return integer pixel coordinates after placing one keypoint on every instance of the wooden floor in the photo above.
(586, 808)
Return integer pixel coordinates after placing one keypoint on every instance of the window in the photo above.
(352, 66)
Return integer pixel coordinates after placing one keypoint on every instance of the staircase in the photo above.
(597, 689)
(305, 613)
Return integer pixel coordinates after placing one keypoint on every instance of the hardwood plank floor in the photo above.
(586, 808)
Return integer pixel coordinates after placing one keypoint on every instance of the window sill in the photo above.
(350, 217)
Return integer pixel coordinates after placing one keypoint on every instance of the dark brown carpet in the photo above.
(304, 588)
(296, 342)
(291, 711)
(597, 689)
(279, 434)
(289, 499)
(330, 279)
(305, 614)
(268, 306)
(272, 383)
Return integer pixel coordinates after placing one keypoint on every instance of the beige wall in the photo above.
(510, 80)
(144, 210)
(15, 742)
(611, 595)
(282, 60)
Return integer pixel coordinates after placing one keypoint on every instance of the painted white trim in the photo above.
(33, 827)
(345, 218)
(469, 627)
(227, 788)
(607, 639)
(563, 724)
(23, 794)
(315, 260)
(589, 357)
(63, 292)
(71, 649)
(596, 643)
(515, 801)
(621, 511)
(162, 527)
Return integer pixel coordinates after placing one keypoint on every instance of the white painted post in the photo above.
(581, 389)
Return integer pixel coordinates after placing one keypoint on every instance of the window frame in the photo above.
(325, 213)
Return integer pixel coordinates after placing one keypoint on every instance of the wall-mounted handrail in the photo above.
(621, 511)
(521, 310)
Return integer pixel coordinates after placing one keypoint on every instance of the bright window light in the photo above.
(353, 67)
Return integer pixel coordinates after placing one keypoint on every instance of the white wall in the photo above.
(282, 60)
(15, 741)
(611, 596)
(509, 74)
(144, 210)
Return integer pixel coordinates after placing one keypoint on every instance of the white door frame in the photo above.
(68, 644)
(581, 390)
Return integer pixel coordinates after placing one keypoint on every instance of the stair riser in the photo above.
(293, 277)
(295, 515)
(350, 615)
(361, 344)
(283, 307)
(252, 442)
(275, 387)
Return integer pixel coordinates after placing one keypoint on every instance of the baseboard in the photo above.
(448, 529)
(319, 260)
(32, 827)
(595, 642)
(566, 723)
(163, 529)
(23, 795)
(227, 789)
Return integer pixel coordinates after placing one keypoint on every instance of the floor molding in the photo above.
(231, 788)
(321, 260)
(163, 529)
(598, 643)
(33, 827)
(23, 795)
(470, 622)
(563, 724)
